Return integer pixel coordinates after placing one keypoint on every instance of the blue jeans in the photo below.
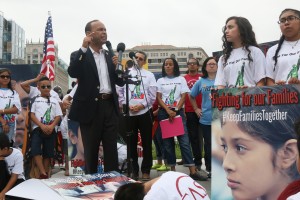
(184, 142)
(158, 142)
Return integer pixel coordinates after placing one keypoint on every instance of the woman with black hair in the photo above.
(243, 63)
(283, 59)
(171, 92)
(9, 105)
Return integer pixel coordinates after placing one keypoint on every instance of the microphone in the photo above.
(132, 56)
(120, 50)
(108, 45)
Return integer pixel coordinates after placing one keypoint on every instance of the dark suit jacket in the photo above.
(83, 67)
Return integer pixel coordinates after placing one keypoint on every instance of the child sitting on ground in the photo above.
(11, 166)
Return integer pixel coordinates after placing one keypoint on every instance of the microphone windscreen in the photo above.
(121, 47)
(131, 54)
(108, 44)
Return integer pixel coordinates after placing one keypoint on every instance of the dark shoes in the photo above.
(209, 175)
(197, 177)
(135, 176)
(145, 177)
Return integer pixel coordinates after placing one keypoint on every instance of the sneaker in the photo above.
(156, 166)
(180, 162)
(163, 168)
(145, 177)
(197, 177)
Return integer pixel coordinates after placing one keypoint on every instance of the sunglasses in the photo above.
(140, 59)
(46, 86)
(5, 76)
(192, 63)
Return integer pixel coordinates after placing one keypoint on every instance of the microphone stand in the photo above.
(129, 131)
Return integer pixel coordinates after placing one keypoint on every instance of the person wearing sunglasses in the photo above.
(192, 120)
(34, 91)
(9, 105)
(283, 59)
(45, 114)
(242, 63)
(141, 98)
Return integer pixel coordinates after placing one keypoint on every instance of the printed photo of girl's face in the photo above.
(250, 164)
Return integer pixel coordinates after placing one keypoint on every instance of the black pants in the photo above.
(144, 124)
(206, 130)
(104, 127)
(5, 176)
(195, 136)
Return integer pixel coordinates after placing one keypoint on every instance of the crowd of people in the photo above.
(92, 110)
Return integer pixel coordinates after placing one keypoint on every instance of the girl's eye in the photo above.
(240, 148)
(224, 147)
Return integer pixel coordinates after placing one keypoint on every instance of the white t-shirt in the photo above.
(294, 197)
(8, 99)
(175, 186)
(171, 89)
(137, 95)
(239, 70)
(34, 91)
(287, 61)
(15, 163)
(45, 112)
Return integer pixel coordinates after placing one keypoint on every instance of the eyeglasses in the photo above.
(192, 63)
(5, 76)
(46, 86)
(140, 59)
(212, 64)
(287, 19)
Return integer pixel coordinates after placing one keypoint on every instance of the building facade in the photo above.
(34, 55)
(12, 42)
(158, 53)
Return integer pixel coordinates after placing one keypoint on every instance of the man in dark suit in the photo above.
(95, 103)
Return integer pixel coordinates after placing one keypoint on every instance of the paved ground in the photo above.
(59, 173)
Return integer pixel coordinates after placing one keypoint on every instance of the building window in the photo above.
(191, 55)
(173, 56)
(182, 60)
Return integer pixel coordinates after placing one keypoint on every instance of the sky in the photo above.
(182, 23)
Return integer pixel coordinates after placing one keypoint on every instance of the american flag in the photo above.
(48, 63)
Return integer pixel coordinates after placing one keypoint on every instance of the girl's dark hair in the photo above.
(130, 191)
(176, 68)
(297, 12)
(274, 133)
(4, 141)
(204, 72)
(9, 86)
(246, 33)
